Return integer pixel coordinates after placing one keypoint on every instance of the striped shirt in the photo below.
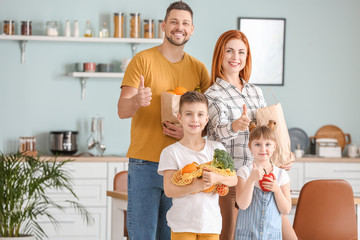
(225, 106)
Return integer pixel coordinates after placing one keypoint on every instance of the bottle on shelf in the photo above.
(104, 32)
(76, 29)
(67, 29)
(88, 29)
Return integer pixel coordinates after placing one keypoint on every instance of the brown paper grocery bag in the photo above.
(282, 154)
(170, 107)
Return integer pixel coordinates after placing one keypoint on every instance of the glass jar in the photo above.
(27, 144)
(52, 28)
(26, 28)
(135, 25)
(161, 33)
(104, 32)
(9, 27)
(148, 28)
(119, 25)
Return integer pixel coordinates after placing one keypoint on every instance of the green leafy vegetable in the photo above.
(222, 160)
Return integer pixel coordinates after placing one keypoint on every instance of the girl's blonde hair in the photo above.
(265, 131)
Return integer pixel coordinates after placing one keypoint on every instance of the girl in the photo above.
(261, 203)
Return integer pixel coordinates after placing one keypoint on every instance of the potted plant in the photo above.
(24, 182)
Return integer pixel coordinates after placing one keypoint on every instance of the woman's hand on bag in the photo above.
(288, 166)
(242, 123)
(173, 130)
(143, 96)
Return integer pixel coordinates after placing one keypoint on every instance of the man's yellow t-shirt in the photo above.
(147, 140)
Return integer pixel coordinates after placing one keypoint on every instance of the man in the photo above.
(148, 74)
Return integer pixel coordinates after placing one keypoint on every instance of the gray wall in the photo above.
(321, 65)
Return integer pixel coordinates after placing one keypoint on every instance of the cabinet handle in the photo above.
(347, 170)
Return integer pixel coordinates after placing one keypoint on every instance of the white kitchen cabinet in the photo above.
(347, 171)
(91, 178)
(296, 175)
(72, 227)
(307, 169)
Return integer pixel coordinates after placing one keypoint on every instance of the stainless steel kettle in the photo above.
(63, 142)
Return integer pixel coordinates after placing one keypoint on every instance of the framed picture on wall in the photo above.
(267, 44)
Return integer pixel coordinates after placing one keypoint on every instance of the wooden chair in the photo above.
(326, 210)
(120, 184)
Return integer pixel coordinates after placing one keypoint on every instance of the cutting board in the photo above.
(332, 131)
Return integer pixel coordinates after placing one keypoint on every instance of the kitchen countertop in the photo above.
(294, 196)
(111, 158)
(88, 158)
(327, 159)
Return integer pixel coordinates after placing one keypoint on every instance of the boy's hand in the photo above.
(200, 185)
(209, 177)
(172, 130)
(256, 173)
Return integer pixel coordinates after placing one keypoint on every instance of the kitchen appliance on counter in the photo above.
(63, 142)
(328, 147)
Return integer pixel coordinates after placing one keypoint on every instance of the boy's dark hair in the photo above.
(179, 5)
(192, 97)
(262, 131)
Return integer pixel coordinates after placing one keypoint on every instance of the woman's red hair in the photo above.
(216, 68)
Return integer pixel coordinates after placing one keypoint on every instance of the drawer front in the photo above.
(90, 192)
(86, 170)
(347, 171)
(332, 170)
(72, 227)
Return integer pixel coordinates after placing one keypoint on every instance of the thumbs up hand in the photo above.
(242, 123)
(144, 94)
(256, 173)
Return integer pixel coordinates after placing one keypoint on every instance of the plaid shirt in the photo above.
(226, 105)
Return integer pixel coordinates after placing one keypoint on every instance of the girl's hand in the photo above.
(271, 185)
(256, 173)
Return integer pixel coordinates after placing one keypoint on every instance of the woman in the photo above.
(232, 105)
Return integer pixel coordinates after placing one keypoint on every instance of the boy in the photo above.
(194, 213)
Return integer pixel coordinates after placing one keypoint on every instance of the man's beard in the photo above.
(176, 44)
